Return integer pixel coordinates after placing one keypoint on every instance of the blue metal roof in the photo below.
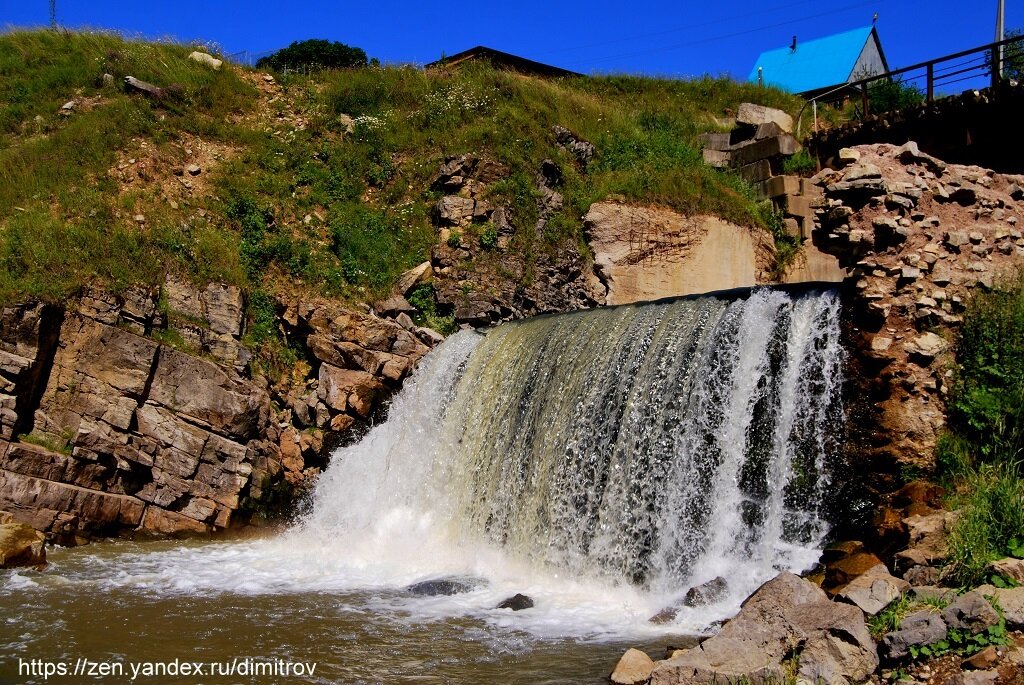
(815, 64)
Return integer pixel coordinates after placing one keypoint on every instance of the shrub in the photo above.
(800, 163)
(893, 94)
(315, 53)
(981, 454)
(987, 407)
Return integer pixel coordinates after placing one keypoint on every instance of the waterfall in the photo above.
(651, 446)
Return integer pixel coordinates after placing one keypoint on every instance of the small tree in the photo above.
(1013, 57)
(314, 53)
(893, 94)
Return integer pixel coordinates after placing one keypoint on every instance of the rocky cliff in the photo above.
(918, 236)
(138, 411)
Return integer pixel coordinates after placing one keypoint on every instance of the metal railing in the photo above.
(984, 65)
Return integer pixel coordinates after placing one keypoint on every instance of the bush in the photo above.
(982, 452)
(987, 407)
(314, 53)
(893, 94)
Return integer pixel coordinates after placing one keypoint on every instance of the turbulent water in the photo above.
(653, 446)
(602, 462)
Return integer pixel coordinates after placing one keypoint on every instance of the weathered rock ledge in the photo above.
(106, 428)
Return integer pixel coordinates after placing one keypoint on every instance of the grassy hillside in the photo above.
(287, 196)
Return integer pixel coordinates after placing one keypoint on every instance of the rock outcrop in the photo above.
(21, 545)
(648, 253)
(787, 619)
(919, 236)
(139, 411)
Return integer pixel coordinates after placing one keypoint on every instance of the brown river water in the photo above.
(119, 604)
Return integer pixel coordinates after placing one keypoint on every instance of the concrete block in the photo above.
(755, 115)
(779, 185)
(808, 189)
(716, 141)
(798, 206)
(765, 149)
(793, 227)
(768, 130)
(760, 170)
(717, 158)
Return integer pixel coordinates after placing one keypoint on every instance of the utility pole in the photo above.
(1000, 35)
(53, 14)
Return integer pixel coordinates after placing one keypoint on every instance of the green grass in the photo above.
(300, 204)
(981, 454)
(991, 500)
(60, 223)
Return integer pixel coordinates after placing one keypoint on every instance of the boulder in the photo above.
(782, 614)
(412, 278)
(1008, 568)
(926, 346)
(207, 59)
(393, 306)
(844, 570)
(455, 211)
(516, 602)
(755, 115)
(343, 389)
(927, 539)
(933, 593)
(706, 593)
(916, 629)
(873, 590)
(444, 586)
(1011, 601)
(848, 156)
(986, 658)
(970, 612)
(583, 150)
(980, 677)
(633, 668)
(21, 545)
(862, 171)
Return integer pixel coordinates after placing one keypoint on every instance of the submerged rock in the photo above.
(444, 586)
(517, 602)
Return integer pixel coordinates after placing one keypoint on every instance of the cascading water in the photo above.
(601, 462)
(650, 446)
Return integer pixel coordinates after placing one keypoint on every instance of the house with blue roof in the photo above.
(818, 66)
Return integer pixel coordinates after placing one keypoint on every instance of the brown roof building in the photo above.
(502, 60)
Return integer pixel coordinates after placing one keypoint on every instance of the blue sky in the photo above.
(682, 38)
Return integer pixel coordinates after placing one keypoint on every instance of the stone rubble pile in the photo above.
(918, 236)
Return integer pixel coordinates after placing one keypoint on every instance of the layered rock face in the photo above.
(121, 432)
(649, 253)
(919, 236)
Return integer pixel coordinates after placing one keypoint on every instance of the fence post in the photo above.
(931, 82)
(864, 99)
(997, 68)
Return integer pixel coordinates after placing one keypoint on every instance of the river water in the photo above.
(601, 463)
